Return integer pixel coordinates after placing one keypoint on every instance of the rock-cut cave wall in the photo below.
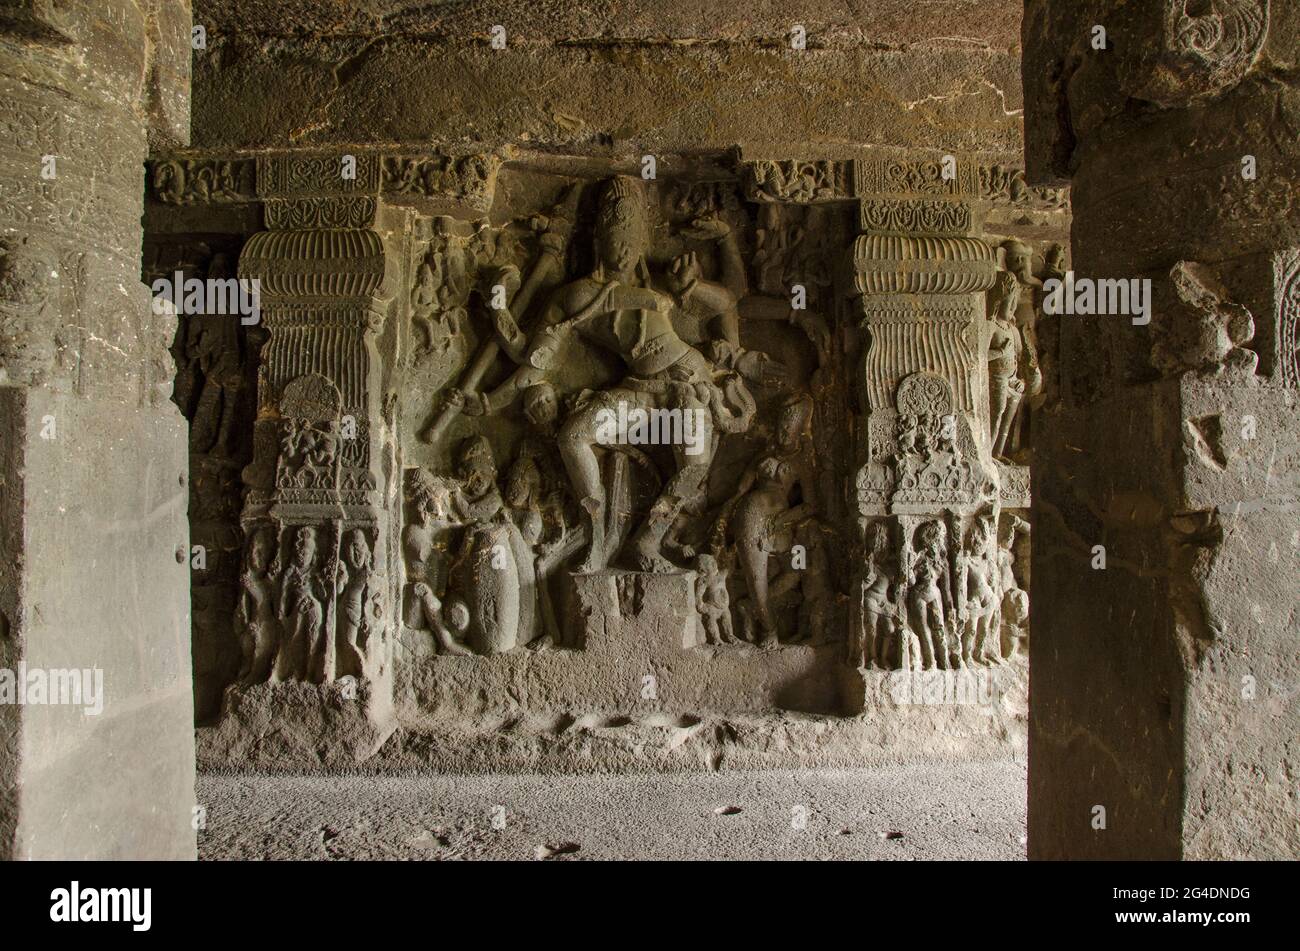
(560, 437)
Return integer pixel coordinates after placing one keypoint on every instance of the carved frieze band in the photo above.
(915, 216)
(202, 181)
(469, 180)
(306, 213)
(797, 182)
(294, 176)
(959, 177)
(325, 189)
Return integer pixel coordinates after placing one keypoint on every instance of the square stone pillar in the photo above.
(96, 709)
(1164, 702)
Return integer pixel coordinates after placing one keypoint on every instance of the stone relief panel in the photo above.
(637, 358)
(201, 181)
(28, 312)
(494, 410)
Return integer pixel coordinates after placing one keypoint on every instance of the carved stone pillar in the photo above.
(96, 712)
(926, 481)
(316, 618)
(1165, 719)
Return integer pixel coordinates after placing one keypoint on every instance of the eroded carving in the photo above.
(1208, 332)
(28, 312)
(202, 181)
(1203, 49)
(797, 182)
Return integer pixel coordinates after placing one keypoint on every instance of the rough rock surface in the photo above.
(974, 811)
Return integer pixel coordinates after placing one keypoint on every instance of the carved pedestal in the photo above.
(625, 611)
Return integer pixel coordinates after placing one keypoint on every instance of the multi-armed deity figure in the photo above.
(621, 308)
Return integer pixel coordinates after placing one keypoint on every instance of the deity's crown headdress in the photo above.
(623, 206)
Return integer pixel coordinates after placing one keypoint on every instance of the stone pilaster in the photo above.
(1164, 714)
(316, 614)
(94, 545)
(925, 475)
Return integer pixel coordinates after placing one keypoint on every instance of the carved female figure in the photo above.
(879, 622)
(980, 635)
(761, 514)
(259, 629)
(1025, 317)
(300, 609)
(1006, 389)
(355, 597)
(929, 596)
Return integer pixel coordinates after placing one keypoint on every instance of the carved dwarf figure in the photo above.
(425, 542)
(713, 601)
(495, 569)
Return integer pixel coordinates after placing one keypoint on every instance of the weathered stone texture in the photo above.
(1174, 443)
(94, 467)
(605, 99)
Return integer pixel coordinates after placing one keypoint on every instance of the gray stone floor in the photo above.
(932, 812)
